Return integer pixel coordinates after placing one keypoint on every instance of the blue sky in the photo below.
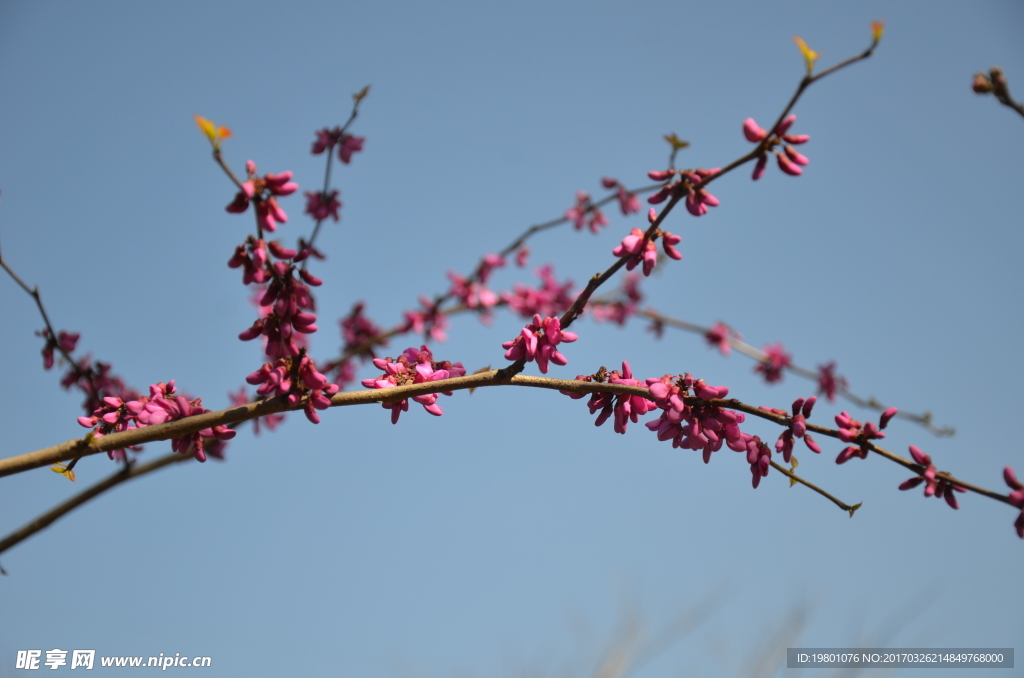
(509, 535)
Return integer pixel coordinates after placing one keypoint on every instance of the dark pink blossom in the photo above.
(295, 378)
(327, 139)
(797, 429)
(721, 335)
(263, 191)
(321, 206)
(551, 298)
(358, 331)
(162, 405)
(584, 213)
(935, 485)
(471, 294)
(429, 321)
(1016, 498)
(636, 248)
(65, 341)
(774, 362)
(538, 342)
(829, 383)
(790, 161)
(626, 408)
(522, 256)
(414, 366)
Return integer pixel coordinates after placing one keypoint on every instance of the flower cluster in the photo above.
(797, 428)
(774, 362)
(473, 291)
(934, 484)
(689, 184)
(704, 426)
(538, 341)
(429, 321)
(294, 378)
(263, 191)
(286, 302)
(628, 202)
(852, 431)
(829, 383)
(626, 408)
(619, 310)
(65, 341)
(790, 161)
(320, 205)
(162, 405)
(1016, 498)
(720, 336)
(551, 298)
(327, 139)
(638, 247)
(414, 366)
(583, 213)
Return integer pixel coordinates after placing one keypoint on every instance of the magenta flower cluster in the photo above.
(551, 298)
(797, 428)
(538, 341)
(775, 361)
(65, 341)
(1016, 498)
(626, 408)
(790, 161)
(689, 185)
(935, 486)
(162, 405)
(414, 366)
(720, 336)
(263, 191)
(638, 247)
(628, 202)
(583, 213)
(829, 383)
(428, 321)
(852, 431)
(293, 378)
(327, 139)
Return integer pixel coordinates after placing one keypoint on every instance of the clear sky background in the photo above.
(511, 537)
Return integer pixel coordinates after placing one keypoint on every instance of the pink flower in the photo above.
(358, 330)
(349, 145)
(429, 322)
(626, 408)
(934, 484)
(320, 206)
(522, 256)
(797, 429)
(702, 426)
(65, 341)
(697, 198)
(720, 335)
(637, 248)
(327, 139)
(829, 383)
(263, 191)
(538, 341)
(578, 214)
(628, 202)
(774, 362)
(551, 298)
(790, 161)
(1016, 498)
(414, 366)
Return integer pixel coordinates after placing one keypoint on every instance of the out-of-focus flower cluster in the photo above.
(789, 159)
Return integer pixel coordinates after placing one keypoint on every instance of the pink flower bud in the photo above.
(608, 182)
(785, 125)
(788, 167)
(796, 157)
(752, 131)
